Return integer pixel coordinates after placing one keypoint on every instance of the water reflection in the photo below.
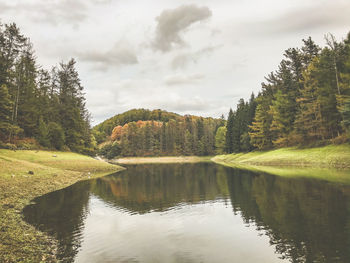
(159, 187)
(183, 213)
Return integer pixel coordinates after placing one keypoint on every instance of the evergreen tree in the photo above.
(229, 132)
(260, 131)
(282, 112)
(5, 113)
(56, 135)
(43, 133)
(220, 140)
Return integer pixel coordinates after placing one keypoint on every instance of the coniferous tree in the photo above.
(260, 131)
(5, 113)
(42, 104)
(229, 132)
(220, 140)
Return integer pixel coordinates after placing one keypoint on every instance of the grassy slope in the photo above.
(320, 163)
(336, 156)
(20, 242)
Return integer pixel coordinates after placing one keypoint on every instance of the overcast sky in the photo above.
(190, 57)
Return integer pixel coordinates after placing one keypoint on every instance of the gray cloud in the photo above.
(120, 54)
(172, 22)
(324, 14)
(53, 12)
(183, 79)
(180, 104)
(183, 59)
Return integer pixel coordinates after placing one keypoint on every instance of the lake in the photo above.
(197, 213)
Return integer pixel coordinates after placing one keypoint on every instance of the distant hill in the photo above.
(141, 132)
(105, 128)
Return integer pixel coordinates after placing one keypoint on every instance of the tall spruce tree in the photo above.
(5, 113)
(229, 132)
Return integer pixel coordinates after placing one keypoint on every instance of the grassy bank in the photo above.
(332, 156)
(25, 175)
(165, 159)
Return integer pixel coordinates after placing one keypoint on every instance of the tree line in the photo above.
(183, 135)
(306, 101)
(38, 107)
(103, 130)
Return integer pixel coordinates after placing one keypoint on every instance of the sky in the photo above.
(185, 56)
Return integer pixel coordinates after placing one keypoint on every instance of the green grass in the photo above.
(325, 174)
(336, 156)
(21, 242)
(329, 163)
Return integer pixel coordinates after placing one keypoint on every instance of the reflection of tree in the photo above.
(307, 220)
(61, 214)
(145, 188)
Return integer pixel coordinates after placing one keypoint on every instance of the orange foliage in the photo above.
(116, 133)
(119, 131)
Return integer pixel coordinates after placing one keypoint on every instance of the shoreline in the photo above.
(161, 159)
(25, 175)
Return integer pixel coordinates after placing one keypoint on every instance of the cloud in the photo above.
(172, 22)
(120, 54)
(322, 15)
(183, 59)
(177, 103)
(183, 79)
(53, 12)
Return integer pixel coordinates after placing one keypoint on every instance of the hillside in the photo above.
(105, 128)
(141, 132)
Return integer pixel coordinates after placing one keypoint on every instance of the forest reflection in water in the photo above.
(197, 213)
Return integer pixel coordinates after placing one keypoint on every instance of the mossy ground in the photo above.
(19, 241)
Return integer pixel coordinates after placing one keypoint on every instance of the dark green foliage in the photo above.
(304, 101)
(237, 138)
(49, 107)
(56, 135)
(346, 115)
(220, 140)
(5, 113)
(229, 131)
(110, 150)
(43, 133)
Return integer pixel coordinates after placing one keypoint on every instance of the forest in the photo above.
(305, 102)
(141, 132)
(39, 107)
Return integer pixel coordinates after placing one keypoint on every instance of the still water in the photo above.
(197, 213)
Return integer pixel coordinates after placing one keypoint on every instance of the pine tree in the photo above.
(308, 122)
(5, 113)
(260, 131)
(282, 112)
(56, 135)
(43, 133)
(220, 140)
(229, 132)
(26, 113)
(72, 106)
